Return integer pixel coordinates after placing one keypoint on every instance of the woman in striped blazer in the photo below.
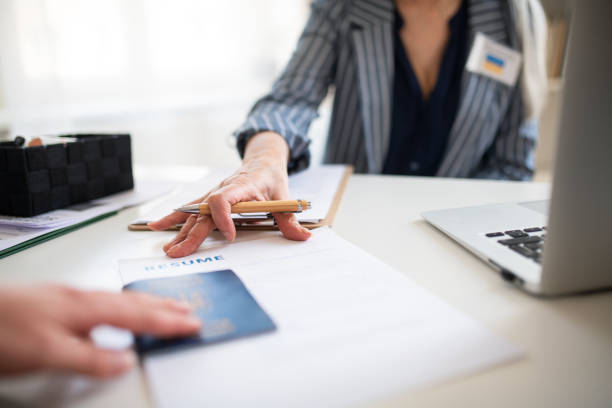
(403, 102)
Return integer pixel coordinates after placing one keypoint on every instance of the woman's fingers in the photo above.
(194, 237)
(221, 213)
(291, 228)
(182, 233)
(287, 223)
(259, 180)
(168, 221)
(173, 218)
(221, 201)
(196, 228)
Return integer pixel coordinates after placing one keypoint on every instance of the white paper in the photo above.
(317, 185)
(11, 235)
(132, 270)
(46, 220)
(144, 190)
(15, 230)
(56, 218)
(350, 329)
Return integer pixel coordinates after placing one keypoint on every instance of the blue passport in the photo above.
(219, 299)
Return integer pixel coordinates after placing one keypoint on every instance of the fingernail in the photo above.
(228, 235)
(151, 224)
(170, 244)
(183, 305)
(172, 252)
(193, 322)
(123, 360)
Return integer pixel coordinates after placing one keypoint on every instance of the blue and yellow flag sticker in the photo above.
(493, 64)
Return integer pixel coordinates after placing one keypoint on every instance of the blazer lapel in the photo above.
(371, 30)
(483, 101)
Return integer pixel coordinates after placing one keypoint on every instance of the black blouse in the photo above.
(419, 128)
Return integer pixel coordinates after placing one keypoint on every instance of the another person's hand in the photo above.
(262, 176)
(47, 328)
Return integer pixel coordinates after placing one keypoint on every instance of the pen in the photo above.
(276, 206)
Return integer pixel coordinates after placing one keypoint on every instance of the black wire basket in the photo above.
(37, 179)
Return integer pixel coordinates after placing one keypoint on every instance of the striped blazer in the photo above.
(348, 45)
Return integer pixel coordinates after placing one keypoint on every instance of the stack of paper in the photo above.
(18, 233)
(350, 329)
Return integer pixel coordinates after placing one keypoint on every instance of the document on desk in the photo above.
(349, 329)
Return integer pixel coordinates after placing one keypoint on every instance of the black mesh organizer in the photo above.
(34, 180)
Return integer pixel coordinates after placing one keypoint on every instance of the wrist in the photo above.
(268, 149)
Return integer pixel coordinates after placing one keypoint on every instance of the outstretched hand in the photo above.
(262, 176)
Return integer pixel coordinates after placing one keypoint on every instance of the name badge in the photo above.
(494, 60)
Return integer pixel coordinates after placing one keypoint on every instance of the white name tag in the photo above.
(494, 60)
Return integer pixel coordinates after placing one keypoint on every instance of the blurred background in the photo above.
(179, 75)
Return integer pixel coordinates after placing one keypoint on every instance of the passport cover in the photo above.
(220, 299)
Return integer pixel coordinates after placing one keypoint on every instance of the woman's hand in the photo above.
(262, 176)
(47, 327)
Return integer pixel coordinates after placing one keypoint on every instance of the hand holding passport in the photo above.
(219, 299)
(48, 327)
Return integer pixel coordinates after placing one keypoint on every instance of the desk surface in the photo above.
(568, 341)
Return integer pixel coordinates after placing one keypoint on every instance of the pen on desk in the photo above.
(276, 206)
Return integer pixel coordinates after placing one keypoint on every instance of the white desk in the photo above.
(568, 341)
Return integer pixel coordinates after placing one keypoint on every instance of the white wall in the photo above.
(549, 122)
(180, 75)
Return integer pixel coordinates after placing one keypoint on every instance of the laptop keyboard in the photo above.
(528, 242)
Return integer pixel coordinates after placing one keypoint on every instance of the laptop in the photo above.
(562, 245)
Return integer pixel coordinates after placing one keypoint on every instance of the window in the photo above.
(74, 57)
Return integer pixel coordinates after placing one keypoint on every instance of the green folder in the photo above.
(52, 234)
